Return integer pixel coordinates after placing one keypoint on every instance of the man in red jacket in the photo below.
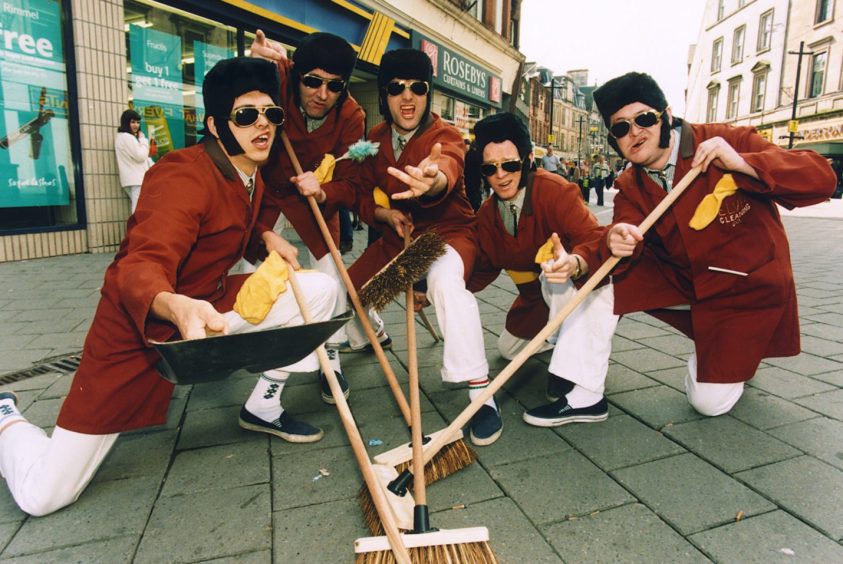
(420, 169)
(717, 264)
(169, 279)
(529, 209)
(322, 118)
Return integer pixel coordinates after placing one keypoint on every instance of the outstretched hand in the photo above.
(265, 48)
(424, 179)
(622, 239)
(562, 266)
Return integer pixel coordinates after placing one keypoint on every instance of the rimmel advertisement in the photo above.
(35, 159)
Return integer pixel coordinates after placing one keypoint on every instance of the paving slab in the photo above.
(786, 384)
(109, 551)
(689, 493)
(634, 330)
(317, 533)
(297, 480)
(806, 364)
(646, 360)
(210, 427)
(210, 524)
(803, 486)
(829, 404)
(657, 406)
(217, 468)
(773, 537)
(137, 455)
(820, 347)
(822, 331)
(618, 442)
(730, 444)
(623, 344)
(468, 486)
(620, 378)
(765, 411)
(630, 534)
(818, 437)
(107, 510)
(671, 377)
(552, 488)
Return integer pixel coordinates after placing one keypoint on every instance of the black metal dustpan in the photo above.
(215, 358)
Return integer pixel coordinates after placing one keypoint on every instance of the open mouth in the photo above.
(408, 112)
(261, 141)
(638, 144)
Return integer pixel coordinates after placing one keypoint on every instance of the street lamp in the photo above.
(793, 124)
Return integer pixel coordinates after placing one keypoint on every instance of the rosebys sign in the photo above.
(458, 74)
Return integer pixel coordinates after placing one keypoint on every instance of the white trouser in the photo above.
(45, 474)
(710, 399)
(582, 346)
(327, 266)
(134, 193)
(464, 356)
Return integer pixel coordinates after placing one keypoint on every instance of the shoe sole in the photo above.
(552, 399)
(281, 434)
(329, 399)
(488, 440)
(540, 422)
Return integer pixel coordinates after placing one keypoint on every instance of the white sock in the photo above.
(476, 387)
(334, 358)
(581, 397)
(265, 401)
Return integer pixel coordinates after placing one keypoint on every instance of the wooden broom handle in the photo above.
(442, 438)
(419, 489)
(352, 292)
(378, 496)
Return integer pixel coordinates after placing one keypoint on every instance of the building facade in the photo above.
(69, 68)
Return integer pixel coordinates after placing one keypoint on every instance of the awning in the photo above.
(825, 148)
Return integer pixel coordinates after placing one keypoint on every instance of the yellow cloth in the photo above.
(545, 252)
(325, 171)
(710, 205)
(261, 289)
(522, 276)
(381, 199)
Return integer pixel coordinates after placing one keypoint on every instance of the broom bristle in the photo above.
(467, 553)
(450, 459)
(406, 268)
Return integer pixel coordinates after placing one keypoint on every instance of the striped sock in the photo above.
(476, 387)
(265, 401)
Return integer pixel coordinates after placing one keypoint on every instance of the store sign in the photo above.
(36, 167)
(458, 74)
(205, 57)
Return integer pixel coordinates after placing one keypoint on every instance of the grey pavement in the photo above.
(655, 483)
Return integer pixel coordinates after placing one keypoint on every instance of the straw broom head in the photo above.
(405, 269)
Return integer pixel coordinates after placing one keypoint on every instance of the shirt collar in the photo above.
(312, 124)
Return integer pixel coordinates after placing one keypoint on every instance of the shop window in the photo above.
(169, 52)
(38, 188)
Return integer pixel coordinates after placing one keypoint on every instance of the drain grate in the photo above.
(62, 364)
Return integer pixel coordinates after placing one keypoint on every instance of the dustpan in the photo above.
(215, 358)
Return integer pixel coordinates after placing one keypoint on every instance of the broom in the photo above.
(425, 544)
(384, 511)
(399, 485)
(456, 454)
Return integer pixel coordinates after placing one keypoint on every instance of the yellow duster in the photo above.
(261, 289)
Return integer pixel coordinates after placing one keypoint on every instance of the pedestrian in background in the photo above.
(599, 172)
(551, 162)
(133, 151)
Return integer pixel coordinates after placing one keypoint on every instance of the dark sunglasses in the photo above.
(312, 81)
(248, 115)
(648, 118)
(417, 87)
(512, 165)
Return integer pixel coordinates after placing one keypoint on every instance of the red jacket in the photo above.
(334, 136)
(192, 224)
(551, 205)
(735, 320)
(449, 213)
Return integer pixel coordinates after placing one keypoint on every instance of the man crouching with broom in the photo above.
(420, 168)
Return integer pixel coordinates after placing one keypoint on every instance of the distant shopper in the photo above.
(133, 151)
(552, 163)
(716, 266)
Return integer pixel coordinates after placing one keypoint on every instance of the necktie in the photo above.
(402, 142)
(513, 209)
(250, 187)
(663, 180)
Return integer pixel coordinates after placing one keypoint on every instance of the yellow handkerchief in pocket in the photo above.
(545, 252)
(710, 205)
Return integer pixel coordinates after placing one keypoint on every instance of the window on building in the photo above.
(741, 3)
(38, 142)
(733, 98)
(765, 30)
(169, 52)
(711, 107)
(824, 10)
(721, 9)
(475, 9)
(716, 54)
(737, 44)
(817, 76)
(759, 90)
